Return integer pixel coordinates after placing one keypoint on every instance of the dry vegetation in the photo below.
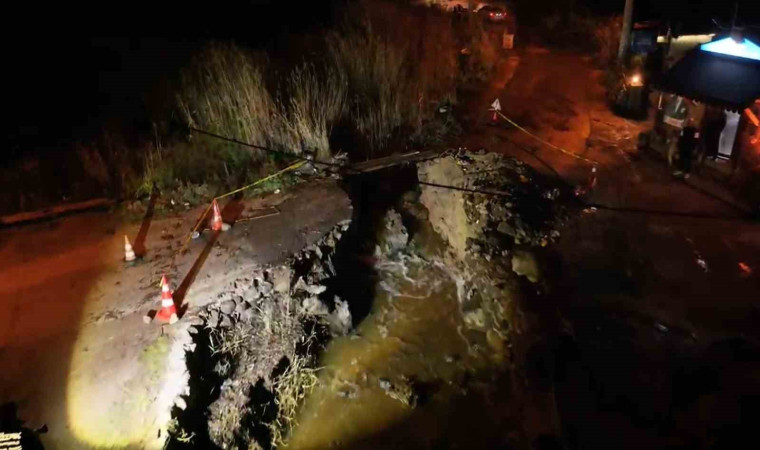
(223, 91)
(376, 87)
(382, 81)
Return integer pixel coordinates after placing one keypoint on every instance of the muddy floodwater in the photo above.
(411, 373)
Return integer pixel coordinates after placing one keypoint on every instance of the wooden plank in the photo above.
(390, 161)
(46, 213)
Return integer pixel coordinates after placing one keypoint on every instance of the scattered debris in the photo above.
(490, 206)
(392, 235)
(402, 391)
(256, 326)
(524, 263)
(263, 331)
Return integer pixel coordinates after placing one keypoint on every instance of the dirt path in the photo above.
(74, 350)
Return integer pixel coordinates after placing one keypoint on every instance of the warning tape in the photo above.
(255, 183)
(568, 153)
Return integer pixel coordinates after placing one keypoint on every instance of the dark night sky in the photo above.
(75, 65)
(65, 80)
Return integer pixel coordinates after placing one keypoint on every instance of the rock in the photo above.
(280, 277)
(180, 403)
(506, 228)
(226, 226)
(300, 285)
(213, 318)
(228, 307)
(195, 321)
(226, 322)
(265, 288)
(313, 306)
(193, 330)
(340, 318)
(346, 393)
(316, 289)
(393, 236)
(317, 272)
(385, 384)
(328, 266)
(241, 306)
(475, 319)
(317, 251)
(524, 263)
(252, 293)
(248, 315)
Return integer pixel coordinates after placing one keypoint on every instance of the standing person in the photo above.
(687, 144)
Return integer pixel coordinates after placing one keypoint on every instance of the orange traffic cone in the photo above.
(216, 220)
(495, 117)
(129, 253)
(592, 181)
(168, 312)
(590, 184)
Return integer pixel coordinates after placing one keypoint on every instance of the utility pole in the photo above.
(625, 36)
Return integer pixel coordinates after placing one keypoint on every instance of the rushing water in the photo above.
(413, 336)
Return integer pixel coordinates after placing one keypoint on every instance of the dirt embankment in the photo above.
(252, 358)
(460, 248)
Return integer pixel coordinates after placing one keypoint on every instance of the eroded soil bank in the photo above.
(403, 327)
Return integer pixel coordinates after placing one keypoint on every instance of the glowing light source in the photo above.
(688, 39)
(635, 80)
(752, 117)
(728, 46)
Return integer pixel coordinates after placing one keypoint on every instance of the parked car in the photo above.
(494, 13)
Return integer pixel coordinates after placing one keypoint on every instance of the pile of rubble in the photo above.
(494, 212)
(259, 326)
(497, 203)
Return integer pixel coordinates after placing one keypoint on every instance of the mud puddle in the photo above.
(416, 372)
(406, 371)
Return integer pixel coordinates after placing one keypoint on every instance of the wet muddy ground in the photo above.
(434, 357)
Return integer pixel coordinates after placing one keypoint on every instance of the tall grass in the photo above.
(382, 96)
(398, 62)
(223, 91)
(383, 76)
(313, 102)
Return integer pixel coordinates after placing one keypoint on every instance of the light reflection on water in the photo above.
(415, 331)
